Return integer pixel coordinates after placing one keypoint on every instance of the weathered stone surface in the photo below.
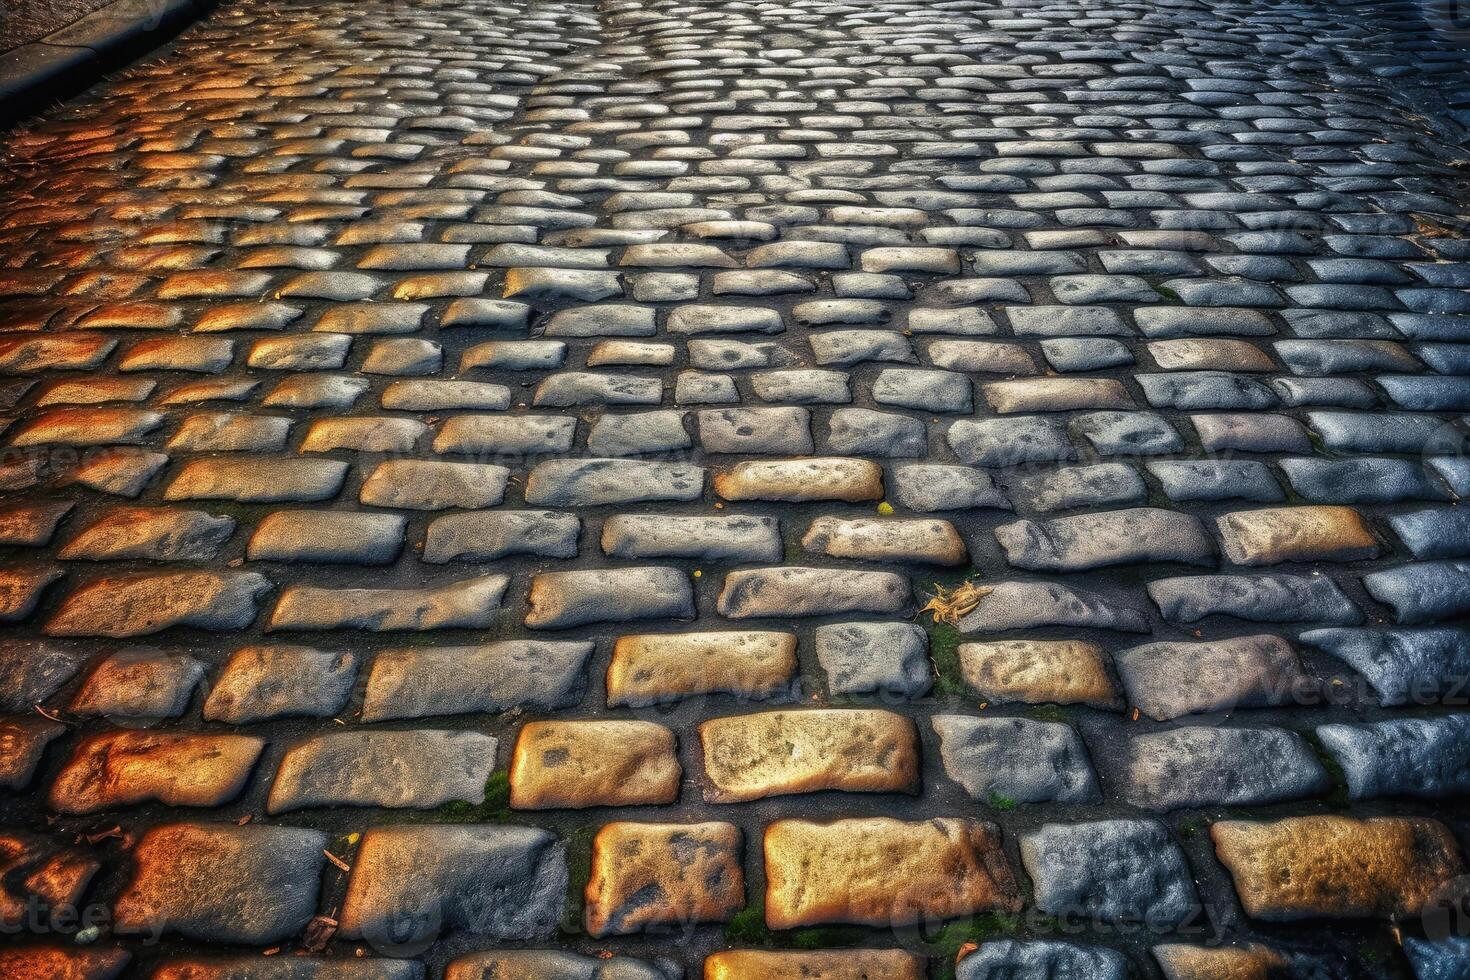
(30, 672)
(1016, 760)
(152, 533)
(928, 541)
(799, 480)
(1040, 960)
(1040, 672)
(21, 589)
(1167, 680)
(62, 963)
(647, 875)
(344, 537)
(258, 480)
(426, 681)
(575, 764)
(288, 968)
(926, 488)
(864, 658)
(1023, 605)
(1110, 870)
(1320, 866)
(1444, 959)
(44, 883)
(773, 753)
(1267, 537)
(510, 436)
(115, 769)
(594, 482)
(512, 964)
(1258, 598)
(1202, 767)
(1404, 666)
(774, 430)
(23, 740)
(564, 599)
(1072, 544)
(263, 683)
(666, 667)
(856, 964)
(487, 535)
(142, 604)
(413, 484)
(1423, 592)
(1179, 961)
(469, 604)
(646, 432)
(788, 591)
(402, 769)
(738, 538)
(222, 883)
(883, 872)
(411, 882)
(1423, 757)
(139, 683)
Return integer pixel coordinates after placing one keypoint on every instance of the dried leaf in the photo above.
(949, 605)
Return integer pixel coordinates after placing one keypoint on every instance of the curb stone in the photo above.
(69, 60)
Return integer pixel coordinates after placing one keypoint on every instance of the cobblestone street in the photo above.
(827, 489)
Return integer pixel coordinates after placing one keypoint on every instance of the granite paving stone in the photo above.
(1170, 679)
(399, 769)
(410, 882)
(1010, 958)
(1016, 760)
(222, 883)
(646, 875)
(574, 764)
(1426, 757)
(884, 872)
(1341, 866)
(493, 677)
(1196, 766)
(747, 757)
(1110, 870)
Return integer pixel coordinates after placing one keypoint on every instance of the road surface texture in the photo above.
(866, 489)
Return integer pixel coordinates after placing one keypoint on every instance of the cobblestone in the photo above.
(612, 385)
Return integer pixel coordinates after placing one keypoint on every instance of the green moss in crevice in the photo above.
(944, 650)
(748, 927)
(1339, 794)
(1048, 712)
(954, 936)
(1001, 802)
(495, 808)
(579, 872)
